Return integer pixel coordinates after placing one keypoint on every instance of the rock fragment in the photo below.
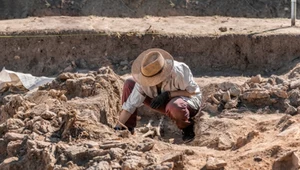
(288, 160)
(215, 163)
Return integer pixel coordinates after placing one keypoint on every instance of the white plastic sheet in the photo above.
(30, 82)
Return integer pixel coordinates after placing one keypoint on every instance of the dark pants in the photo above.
(177, 109)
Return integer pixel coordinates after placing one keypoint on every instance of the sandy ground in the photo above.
(240, 137)
(183, 25)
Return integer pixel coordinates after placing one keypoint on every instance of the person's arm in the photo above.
(124, 116)
(135, 99)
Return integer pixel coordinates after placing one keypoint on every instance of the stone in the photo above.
(13, 148)
(298, 110)
(42, 126)
(130, 164)
(10, 136)
(134, 153)
(39, 109)
(106, 157)
(14, 124)
(80, 153)
(62, 159)
(227, 85)
(150, 158)
(215, 163)
(103, 165)
(225, 142)
(235, 91)
(170, 165)
(3, 128)
(116, 153)
(288, 160)
(280, 93)
(113, 145)
(145, 146)
(256, 79)
(173, 157)
(48, 115)
(294, 84)
(91, 144)
(256, 94)
(294, 97)
(65, 76)
(242, 141)
(74, 152)
(115, 165)
(291, 110)
(42, 144)
(7, 163)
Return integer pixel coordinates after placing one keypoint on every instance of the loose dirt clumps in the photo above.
(274, 94)
(67, 124)
(74, 106)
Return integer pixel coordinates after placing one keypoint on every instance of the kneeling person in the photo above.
(165, 85)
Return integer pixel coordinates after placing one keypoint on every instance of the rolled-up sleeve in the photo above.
(135, 99)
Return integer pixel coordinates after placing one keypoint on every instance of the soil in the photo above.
(140, 8)
(67, 124)
(247, 69)
(48, 46)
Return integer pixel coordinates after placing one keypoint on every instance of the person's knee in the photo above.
(172, 105)
(177, 109)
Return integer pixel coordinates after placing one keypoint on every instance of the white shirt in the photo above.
(181, 78)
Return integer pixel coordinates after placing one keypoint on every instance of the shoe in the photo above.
(188, 133)
(131, 130)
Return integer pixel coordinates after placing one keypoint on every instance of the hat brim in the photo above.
(156, 79)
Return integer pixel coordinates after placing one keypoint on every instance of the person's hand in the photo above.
(160, 100)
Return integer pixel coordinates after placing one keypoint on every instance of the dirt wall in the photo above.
(140, 8)
(243, 54)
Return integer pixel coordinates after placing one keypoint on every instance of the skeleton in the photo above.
(151, 131)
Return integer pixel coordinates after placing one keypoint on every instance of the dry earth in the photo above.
(67, 125)
(248, 123)
(140, 8)
(227, 46)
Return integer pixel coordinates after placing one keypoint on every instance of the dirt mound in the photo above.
(141, 8)
(230, 105)
(66, 124)
(74, 106)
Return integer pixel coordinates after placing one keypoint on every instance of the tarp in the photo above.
(29, 81)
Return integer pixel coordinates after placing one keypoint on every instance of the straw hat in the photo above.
(152, 67)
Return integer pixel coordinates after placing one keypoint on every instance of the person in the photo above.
(165, 85)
